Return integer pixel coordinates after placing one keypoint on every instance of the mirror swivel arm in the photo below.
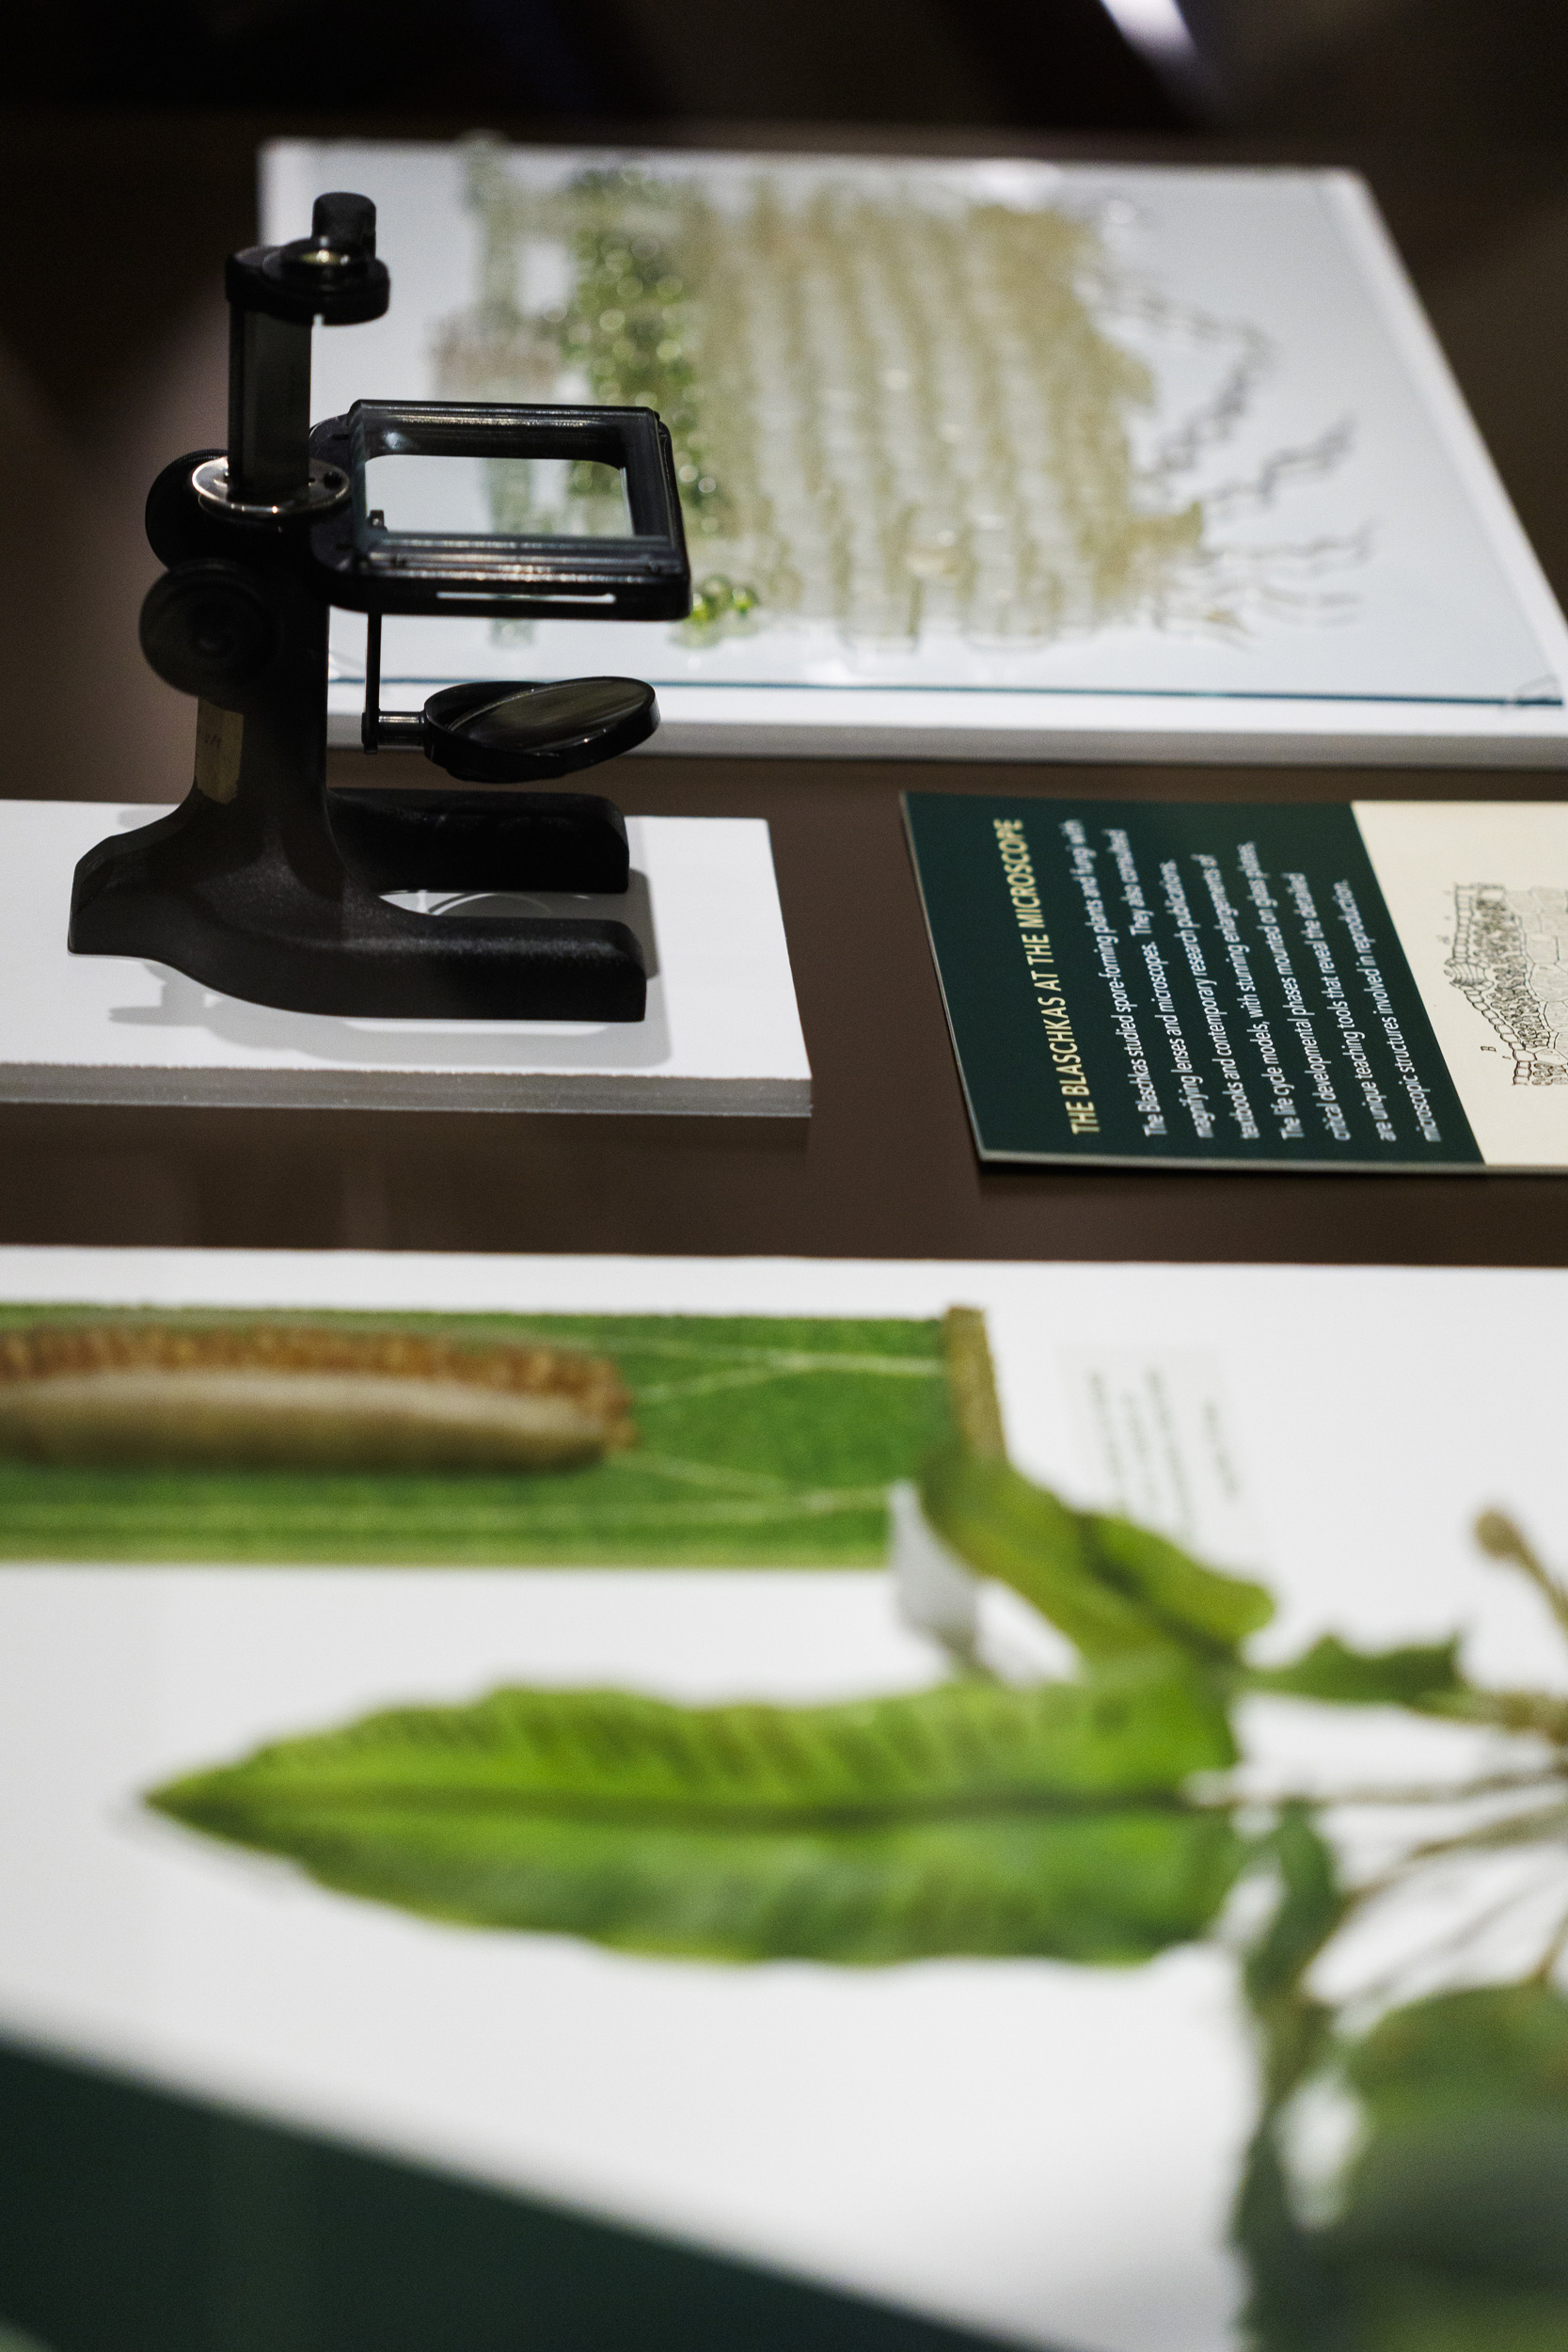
(385, 730)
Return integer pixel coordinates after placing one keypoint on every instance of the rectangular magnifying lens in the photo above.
(483, 508)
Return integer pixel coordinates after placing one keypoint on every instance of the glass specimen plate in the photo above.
(1000, 456)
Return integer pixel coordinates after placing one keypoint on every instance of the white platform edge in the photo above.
(358, 1089)
(790, 723)
(742, 956)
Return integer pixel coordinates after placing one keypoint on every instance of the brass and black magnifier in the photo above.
(264, 883)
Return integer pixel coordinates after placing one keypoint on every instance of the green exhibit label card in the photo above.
(1209, 983)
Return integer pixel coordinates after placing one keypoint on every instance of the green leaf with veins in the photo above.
(1114, 1589)
(968, 1818)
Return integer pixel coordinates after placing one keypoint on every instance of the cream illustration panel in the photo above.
(1479, 894)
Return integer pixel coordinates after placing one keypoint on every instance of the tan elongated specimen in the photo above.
(297, 1397)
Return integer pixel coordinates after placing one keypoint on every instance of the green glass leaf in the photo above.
(969, 1819)
(1482, 2191)
(1414, 2311)
(1017, 1533)
(1299, 2297)
(1453, 2232)
(1394, 1677)
(1485, 2042)
(1197, 1604)
(1296, 2299)
(1114, 1589)
(1311, 1904)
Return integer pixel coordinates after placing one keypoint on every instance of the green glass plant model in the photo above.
(1098, 1820)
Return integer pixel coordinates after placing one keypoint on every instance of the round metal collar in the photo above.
(328, 488)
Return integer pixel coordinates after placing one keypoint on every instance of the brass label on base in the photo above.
(219, 737)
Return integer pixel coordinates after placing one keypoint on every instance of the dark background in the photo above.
(127, 173)
(1437, 69)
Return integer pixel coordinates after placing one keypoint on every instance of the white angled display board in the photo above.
(1002, 459)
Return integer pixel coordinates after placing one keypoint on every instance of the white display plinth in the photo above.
(721, 1033)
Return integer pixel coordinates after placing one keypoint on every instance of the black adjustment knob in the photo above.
(507, 731)
(331, 274)
(209, 628)
(345, 224)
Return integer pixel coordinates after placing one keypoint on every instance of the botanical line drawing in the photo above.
(1509, 959)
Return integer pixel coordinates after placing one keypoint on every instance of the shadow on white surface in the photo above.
(185, 1004)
